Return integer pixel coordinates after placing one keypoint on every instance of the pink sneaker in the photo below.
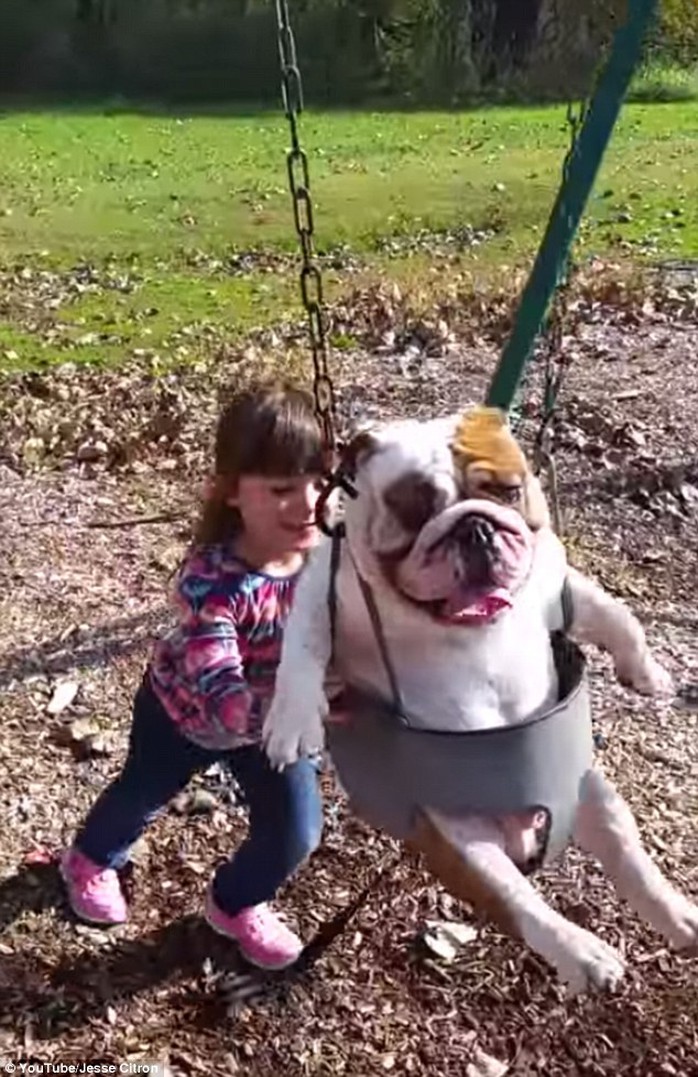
(263, 940)
(94, 892)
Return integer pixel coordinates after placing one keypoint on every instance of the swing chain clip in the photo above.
(340, 478)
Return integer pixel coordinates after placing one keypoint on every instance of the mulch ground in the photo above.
(85, 457)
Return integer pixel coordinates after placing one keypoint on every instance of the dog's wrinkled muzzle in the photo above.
(475, 539)
(469, 559)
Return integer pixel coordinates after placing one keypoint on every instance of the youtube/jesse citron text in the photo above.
(152, 1069)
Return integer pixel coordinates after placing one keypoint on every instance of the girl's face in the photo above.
(278, 516)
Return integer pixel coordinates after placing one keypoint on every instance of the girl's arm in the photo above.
(212, 665)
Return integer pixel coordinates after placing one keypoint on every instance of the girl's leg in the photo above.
(285, 810)
(285, 827)
(160, 762)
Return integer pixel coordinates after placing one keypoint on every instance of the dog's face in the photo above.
(449, 531)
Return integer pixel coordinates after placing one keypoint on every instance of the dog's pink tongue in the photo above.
(473, 605)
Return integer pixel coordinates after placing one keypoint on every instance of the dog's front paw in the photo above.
(289, 735)
(645, 675)
(584, 962)
(676, 917)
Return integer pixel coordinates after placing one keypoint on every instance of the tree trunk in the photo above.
(94, 12)
(515, 29)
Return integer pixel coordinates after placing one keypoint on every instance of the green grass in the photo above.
(154, 193)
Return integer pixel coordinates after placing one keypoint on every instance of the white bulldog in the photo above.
(450, 529)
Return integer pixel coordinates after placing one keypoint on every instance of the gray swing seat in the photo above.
(391, 770)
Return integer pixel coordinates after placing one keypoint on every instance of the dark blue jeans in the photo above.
(285, 807)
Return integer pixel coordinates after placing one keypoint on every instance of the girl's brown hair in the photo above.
(268, 429)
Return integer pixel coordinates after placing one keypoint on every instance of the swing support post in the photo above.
(584, 163)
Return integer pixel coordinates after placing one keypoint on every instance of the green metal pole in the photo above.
(564, 220)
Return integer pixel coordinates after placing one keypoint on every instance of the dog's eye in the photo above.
(509, 494)
(412, 500)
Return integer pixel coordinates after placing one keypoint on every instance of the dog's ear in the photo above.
(363, 445)
(534, 507)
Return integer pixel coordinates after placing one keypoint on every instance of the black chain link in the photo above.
(554, 371)
(555, 365)
(555, 362)
(299, 185)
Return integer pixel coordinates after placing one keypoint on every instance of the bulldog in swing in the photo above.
(446, 612)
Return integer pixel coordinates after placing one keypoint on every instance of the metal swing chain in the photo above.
(299, 185)
(554, 329)
(553, 326)
(555, 322)
(555, 366)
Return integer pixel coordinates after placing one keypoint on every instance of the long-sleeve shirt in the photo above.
(214, 672)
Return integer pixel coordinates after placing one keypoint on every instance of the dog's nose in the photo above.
(475, 536)
(474, 530)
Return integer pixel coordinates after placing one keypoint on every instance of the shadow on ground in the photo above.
(117, 638)
(65, 996)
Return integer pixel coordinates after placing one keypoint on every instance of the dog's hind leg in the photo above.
(605, 827)
(468, 856)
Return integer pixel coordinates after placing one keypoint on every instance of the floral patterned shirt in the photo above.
(214, 672)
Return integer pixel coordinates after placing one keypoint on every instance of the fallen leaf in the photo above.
(445, 937)
(483, 1065)
(63, 695)
(39, 855)
(82, 728)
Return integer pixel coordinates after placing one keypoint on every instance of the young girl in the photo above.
(205, 691)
